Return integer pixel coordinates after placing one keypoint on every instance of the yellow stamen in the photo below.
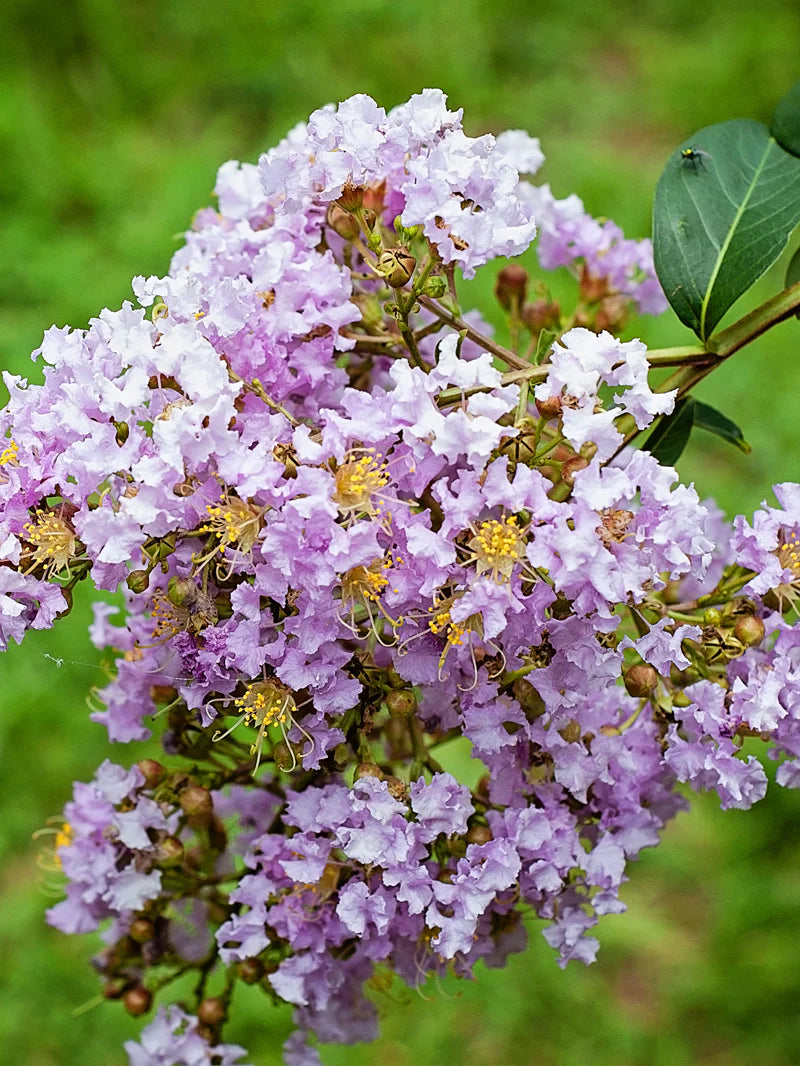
(357, 482)
(788, 556)
(52, 540)
(9, 453)
(497, 547)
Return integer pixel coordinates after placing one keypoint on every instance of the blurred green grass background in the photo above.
(114, 115)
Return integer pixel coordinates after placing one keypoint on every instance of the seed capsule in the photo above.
(397, 266)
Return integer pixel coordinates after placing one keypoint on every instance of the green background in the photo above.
(113, 118)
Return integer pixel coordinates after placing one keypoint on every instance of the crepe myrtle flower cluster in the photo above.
(349, 541)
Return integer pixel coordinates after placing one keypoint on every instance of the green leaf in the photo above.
(793, 273)
(668, 439)
(544, 343)
(709, 418)
(785, 125)
(725, 206)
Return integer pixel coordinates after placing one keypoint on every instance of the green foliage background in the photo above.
(113, 118)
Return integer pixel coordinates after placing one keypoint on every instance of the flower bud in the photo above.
(401, 702)
(342, 222)
(511, 287)
(142, 930)
(122, 434)
(681, 678)
(153, 772)
(115, 988)
(368, 769)
(549, 408)
(169, 852)
(528, 698)
(712, 616)
(640, 680)
(483, 788)
(138, 580)
(541, 314)
(397, 266)
(250, 971)
(212, 1011)
(749, 630)
(181, 591)
(612, 314)
(592, 289)
(137, 1001)
(197, 804)
(435, 287)
(478, 834)
(571, 732)
(162, 694)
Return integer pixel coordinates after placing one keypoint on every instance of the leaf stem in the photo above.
(508, 357)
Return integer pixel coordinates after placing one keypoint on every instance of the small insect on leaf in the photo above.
(694, 159)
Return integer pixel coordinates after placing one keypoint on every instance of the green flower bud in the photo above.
(435, 287)
(571, 732)
(138, 580)
(182, 591)
(749, 630)
(401, 702)
(123, 430)
(528, 698)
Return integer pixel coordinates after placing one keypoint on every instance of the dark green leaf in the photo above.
(785, 125)
(708, 417)
(669, 438)
(793, 273)
(722, 214)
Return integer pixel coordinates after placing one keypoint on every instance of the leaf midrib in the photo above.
(726, 243)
